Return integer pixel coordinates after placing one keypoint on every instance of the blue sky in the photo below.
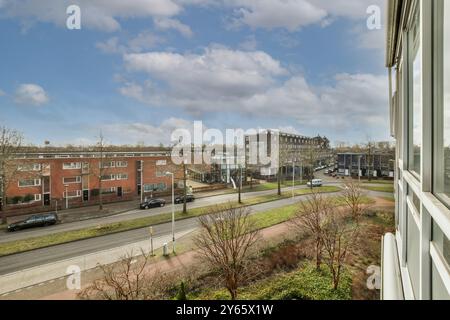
(139, 69)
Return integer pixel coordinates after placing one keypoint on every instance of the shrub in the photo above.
(181, 295)
(28, 198)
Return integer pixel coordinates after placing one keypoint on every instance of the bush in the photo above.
(305, 283)
(17, 199)
(28, 198)
(181, 295)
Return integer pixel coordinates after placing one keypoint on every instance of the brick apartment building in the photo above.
(46, 177)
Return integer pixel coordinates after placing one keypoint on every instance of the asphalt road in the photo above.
(130, 215)
(41, 256)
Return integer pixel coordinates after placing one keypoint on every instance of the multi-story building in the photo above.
(416, 260)
(293, 153)
(77, 178)
(376, 165)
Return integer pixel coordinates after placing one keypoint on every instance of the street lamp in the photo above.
(66, 195)
(173, 211)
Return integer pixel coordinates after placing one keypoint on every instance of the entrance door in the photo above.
(119, 192)
(85, 195)
(46, 199)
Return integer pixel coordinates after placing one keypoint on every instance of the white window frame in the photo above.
(78, 194)
(112, 177)
(37, 197)
(121, 164)
(78, 180)
(29, 167)
(71, 165)
(102, 164)
(37, 183)
(122, 176)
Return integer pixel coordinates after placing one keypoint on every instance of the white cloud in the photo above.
(100, 14)
(218, 73)
(2, 93)
(31, 94)
(167, 24)
(255, 85)
(150, 134)
(143, 41)
(249, 44)
(295, 14)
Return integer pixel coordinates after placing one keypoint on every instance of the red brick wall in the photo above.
(129, 186)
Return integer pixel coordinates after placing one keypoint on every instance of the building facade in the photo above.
(416, 260)
(77, 178)
(377, 165)
(294, 153)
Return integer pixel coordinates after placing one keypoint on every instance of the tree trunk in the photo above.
(100, 195)
(318, 254)
(4, 220)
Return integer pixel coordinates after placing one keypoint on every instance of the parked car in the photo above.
(189, 198)
(153, 203)
(39, 220)
(315, 183)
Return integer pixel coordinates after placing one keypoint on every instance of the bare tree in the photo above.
(338, 236)
(129, 280)
(310, 217)
(10, 143)
(225, 241)
(101, 170)
(353, 196)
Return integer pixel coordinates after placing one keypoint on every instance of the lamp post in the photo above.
(173, 211)
(293, 178)
(66, 195)
(359, 169)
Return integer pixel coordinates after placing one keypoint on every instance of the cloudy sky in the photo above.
(139, 69)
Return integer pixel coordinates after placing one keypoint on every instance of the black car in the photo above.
(189, 198)
(153, 203)
(40, 220)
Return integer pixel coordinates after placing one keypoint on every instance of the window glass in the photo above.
(416, 94)
(412, 253)
(438, 289)
(442, 174)
(441, 242)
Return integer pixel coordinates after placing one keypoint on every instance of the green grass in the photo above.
(379, 181)
(305, 283)
(384, 188)
(272, 186)
(68, 236)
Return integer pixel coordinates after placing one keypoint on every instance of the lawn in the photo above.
(304, 283)
(389, 188)
(68, 236)
(271, 186)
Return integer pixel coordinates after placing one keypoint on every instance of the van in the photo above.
(315, 183)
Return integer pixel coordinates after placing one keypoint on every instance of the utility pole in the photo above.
(184, 187)
(142, 181)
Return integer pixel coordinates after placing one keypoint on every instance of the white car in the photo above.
(315, 183)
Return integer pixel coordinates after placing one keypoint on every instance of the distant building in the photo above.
(378, 165)
(295, 153)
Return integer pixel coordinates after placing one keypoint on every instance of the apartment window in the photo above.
(161, 162)
(122, 176)
(413, 252)
(37, 197)
(71, 180)
(72, 194)
(107, 164)
(415, 94)
(29, 183)
(109, 190)
(71, 165)
(442, 119)
(29, 167)
(121, 164)
(108, 177)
